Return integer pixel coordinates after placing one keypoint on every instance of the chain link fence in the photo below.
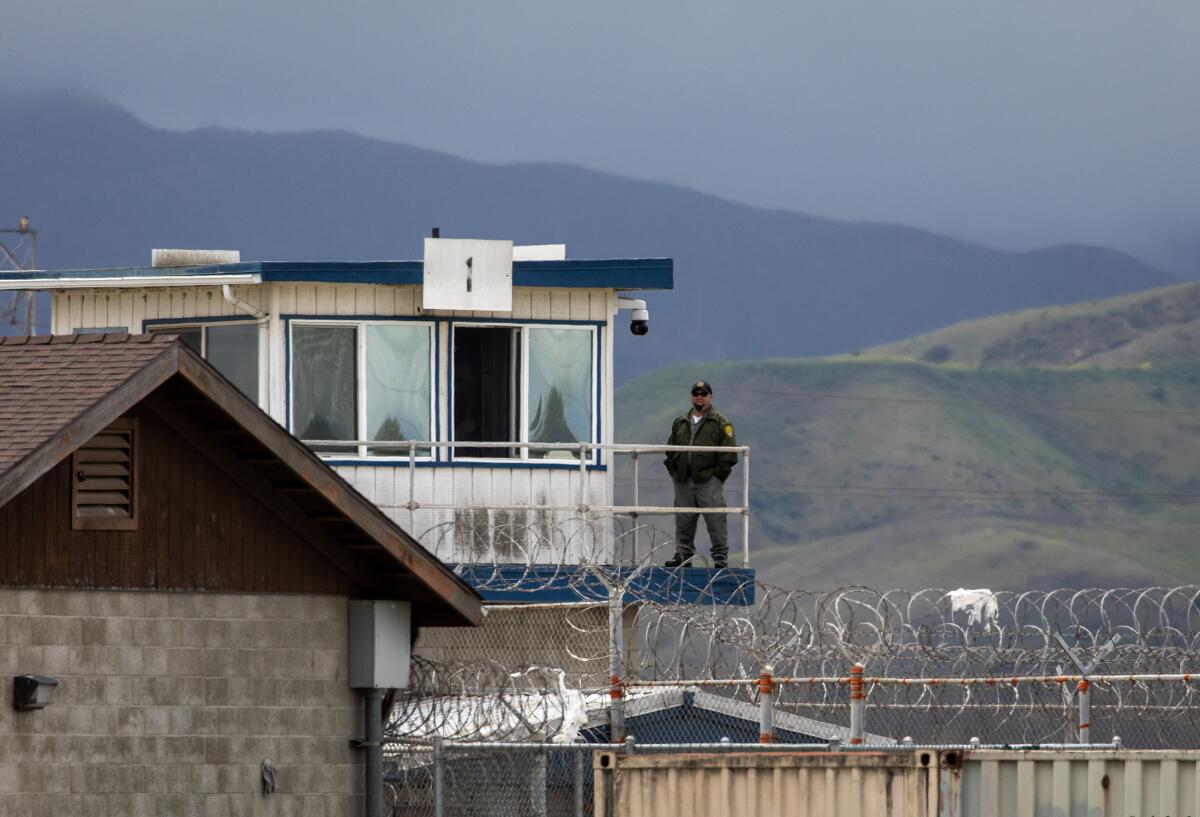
(544, 684)
(451, 780)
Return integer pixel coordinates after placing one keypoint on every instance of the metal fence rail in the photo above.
(586, 453)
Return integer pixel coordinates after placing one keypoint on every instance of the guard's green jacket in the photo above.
(701, 466)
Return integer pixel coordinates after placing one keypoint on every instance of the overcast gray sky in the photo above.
(1015, 123)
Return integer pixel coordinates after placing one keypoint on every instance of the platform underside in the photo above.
(542, 584)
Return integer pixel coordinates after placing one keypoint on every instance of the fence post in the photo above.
(858, 703)
(579, 781)
(539, 784)
(1085, 701)
(439, 774)
(616, 686)
(766, 712)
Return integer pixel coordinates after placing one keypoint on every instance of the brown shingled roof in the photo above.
(56, 393)
(48, 381)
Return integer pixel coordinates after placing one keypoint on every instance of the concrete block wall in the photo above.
(168, 703)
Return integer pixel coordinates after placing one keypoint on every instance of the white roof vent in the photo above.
(539, 252)
(193, 258)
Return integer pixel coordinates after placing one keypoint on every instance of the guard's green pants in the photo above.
(700, 495)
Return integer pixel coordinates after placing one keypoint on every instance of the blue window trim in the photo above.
(213, 319)
(597, 463)
(433, 323)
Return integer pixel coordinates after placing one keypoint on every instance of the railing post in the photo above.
(858, 703)
(1085, 701)
(636, 502)
(439, 774)
(746, 508)
(766, 711)
(616, 688)
(583, 492)
(412, 487)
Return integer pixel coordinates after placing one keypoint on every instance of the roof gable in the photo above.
(61, 391)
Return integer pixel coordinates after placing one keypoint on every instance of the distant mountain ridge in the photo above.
(104, 188)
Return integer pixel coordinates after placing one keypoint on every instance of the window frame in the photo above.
(165, 325)
(362, 452)
(523, 327)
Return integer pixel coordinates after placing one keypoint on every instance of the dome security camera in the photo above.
(639, 322)
(639, 315)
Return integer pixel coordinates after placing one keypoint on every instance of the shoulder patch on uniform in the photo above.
(729, 429)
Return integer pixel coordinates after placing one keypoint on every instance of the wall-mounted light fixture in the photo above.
(33, 691)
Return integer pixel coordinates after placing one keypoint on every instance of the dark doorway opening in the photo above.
(486, 389)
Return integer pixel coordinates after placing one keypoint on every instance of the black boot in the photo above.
(720, 562)
(677, 561)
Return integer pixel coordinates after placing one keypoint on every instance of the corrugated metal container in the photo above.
(1122, 783)
(917, 783)
(799, 784)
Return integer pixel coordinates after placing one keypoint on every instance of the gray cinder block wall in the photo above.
(573, 639)
(168, 703)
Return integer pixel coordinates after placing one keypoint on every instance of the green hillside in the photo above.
(1157, 325)
(888, 472)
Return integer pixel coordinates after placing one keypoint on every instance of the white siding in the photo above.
(477, 532)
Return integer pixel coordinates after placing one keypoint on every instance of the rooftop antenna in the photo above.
(18, 253)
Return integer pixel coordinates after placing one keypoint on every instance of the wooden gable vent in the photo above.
(104, 482)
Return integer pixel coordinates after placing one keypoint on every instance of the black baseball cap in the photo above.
(702, 385)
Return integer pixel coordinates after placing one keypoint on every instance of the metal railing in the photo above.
(584, 453)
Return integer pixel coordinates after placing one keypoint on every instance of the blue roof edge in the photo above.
(610, 273)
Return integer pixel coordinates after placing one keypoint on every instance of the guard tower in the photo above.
(468, 394)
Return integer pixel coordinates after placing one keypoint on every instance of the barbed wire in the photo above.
(540, 672)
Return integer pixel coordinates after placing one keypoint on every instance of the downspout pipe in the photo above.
(238, 303)
(373, 730)
(264, 339)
